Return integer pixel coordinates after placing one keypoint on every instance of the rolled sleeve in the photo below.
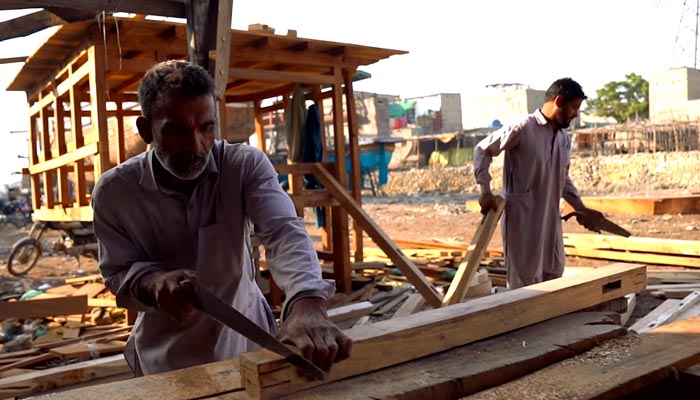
(490, 147)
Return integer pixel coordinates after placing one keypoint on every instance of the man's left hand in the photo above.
(308, 328)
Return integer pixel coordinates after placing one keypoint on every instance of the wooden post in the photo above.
(121, 145)
(355, 167)
(209, 44)
(45, 156)
(342, 268)
(78, 141)
(33, 160)
(98, 105)
(60, 135)
(259, 126)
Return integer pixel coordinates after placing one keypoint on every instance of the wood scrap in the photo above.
(83, 279)
(93, 350)
(402, 339)
(613, 370)
(412, 304)
(350, 311)
(90, 289)
(43, 307)
(669, 314)
(672, 276)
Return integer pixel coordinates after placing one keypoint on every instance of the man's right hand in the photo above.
(487, 201)
(171, 292)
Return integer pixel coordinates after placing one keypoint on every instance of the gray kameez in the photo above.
(142, 227)
(535, 178)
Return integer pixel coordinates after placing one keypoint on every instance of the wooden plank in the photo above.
(484, 233)
(90, 289)
(93, 336)
(196, 382)
(93, 350)
(28, 361)
(56, 377)
(398, 340)
(477, 366)
(93, 303)
(671, 276)
(412, 304)
(43, 307)
(649, 258)
(83, 213)
(281, 76)
(661, 309)
(615, 370)
(63, 290)
(642, 205)
(165, 8)
(87, 278)
(354, 310)
(636, 244)
(414, 275)
(669, 314)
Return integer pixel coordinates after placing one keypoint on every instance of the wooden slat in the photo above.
(83, 213)
(414, 275)
(43, 307)
(57, 377)
(398, 340)
(630, 365)
(281, 76)
(460, 283)
(88, 349)
(65, 159)
(642, 205)
(693, 262)
(669, 313)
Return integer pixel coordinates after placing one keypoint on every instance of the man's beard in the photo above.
(185, 167)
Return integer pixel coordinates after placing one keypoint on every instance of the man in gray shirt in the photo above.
(535, 178)
(182, 211)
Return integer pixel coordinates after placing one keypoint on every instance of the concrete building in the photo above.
(674, 95)
(502, 107)
(427, 115)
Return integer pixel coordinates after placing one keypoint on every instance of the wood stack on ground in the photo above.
(67, 334)
(459, 350)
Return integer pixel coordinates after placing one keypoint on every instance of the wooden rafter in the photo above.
(166, 8)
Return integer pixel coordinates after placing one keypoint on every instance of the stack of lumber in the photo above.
(673, 284)
(449, 352)
(685, 253)
(68, 334)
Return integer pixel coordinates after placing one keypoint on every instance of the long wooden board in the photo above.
(613, 370)
(477, 366)
(636, 244)
(482, 237)
(403, 339)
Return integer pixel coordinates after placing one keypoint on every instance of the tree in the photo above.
(622, 100)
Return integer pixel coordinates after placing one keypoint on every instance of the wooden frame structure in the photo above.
(81, 88)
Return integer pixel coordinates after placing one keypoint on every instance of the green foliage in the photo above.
(622, 100)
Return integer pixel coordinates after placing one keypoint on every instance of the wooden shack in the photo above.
(81, 87)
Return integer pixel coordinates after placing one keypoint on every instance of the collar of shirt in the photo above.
(540, 118)
(148, 179)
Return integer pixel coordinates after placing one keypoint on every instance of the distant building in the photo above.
(502, 107)
(427, 115)
(674, 95)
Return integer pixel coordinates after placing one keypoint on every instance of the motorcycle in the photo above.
(76, 239)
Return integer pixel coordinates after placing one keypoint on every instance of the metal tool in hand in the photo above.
(601, 223)
(221, 311)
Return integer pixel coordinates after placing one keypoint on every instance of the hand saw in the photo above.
(602, 224)
(221, 311)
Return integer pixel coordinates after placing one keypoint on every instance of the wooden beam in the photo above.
(165, 8)
(354, 145)
(630, 365)
(280, 76)
(83, 213)
(477, 366)
(98, 105)
(28, 24)
(414, 275)
(460, 283)
(65, 159)
(649, 258)
(636, 244)
(398, 340)
(642, 205)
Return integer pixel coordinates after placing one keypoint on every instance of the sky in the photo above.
(454, 46)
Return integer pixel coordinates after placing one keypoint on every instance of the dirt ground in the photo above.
(403, 217)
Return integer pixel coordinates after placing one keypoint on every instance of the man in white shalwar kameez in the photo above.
(181, 212)
(535, 178)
